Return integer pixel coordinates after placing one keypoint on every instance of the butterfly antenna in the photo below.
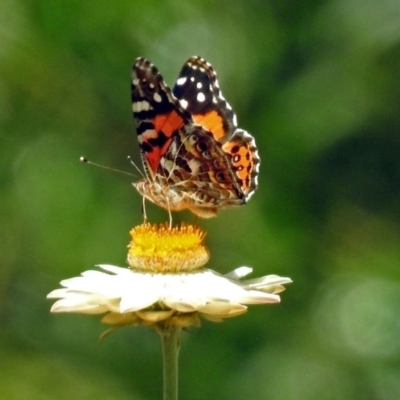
(135, 166)
(86, 161)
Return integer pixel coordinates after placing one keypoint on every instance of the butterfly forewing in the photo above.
(157, 113)
(198, 91)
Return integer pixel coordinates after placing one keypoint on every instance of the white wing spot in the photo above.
(199, 85)
(151, 85)
(135, 81)
(184, 103)
(157, 97)
(200, 97)
(181, 81)
(138, 106)
(194, 165)
(149, 134)
(192, 79)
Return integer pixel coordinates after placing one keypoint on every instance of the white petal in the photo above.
(144, 289)
(115, 270)
(256, 297)
(78, 304)
(57, 294)
(220, 308)
(266, 281)
(181, 293)
(239, 273)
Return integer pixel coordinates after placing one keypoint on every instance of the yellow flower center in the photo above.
(158, 248)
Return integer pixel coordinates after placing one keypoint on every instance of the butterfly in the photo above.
(194, 155)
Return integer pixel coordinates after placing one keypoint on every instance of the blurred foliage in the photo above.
(316, 82)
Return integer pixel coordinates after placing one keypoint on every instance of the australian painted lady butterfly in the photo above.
(193, 154)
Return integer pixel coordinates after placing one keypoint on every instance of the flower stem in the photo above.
(170, 343)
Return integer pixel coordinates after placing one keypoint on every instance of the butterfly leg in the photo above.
(170, 215)
(144, 210)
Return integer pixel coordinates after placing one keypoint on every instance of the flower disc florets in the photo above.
(159, 248)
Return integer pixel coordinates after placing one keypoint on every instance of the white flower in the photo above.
(166, 284)
(155, 297)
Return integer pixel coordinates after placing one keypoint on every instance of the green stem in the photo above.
(170, 343)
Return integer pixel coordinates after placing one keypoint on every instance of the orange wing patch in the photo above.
(211, 121)
(153, 156)
(168, 123)
(165, 125)
(242, 161)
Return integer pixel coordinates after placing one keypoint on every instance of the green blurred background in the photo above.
(317, 83)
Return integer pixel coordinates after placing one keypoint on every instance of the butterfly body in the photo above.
(193, 154)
